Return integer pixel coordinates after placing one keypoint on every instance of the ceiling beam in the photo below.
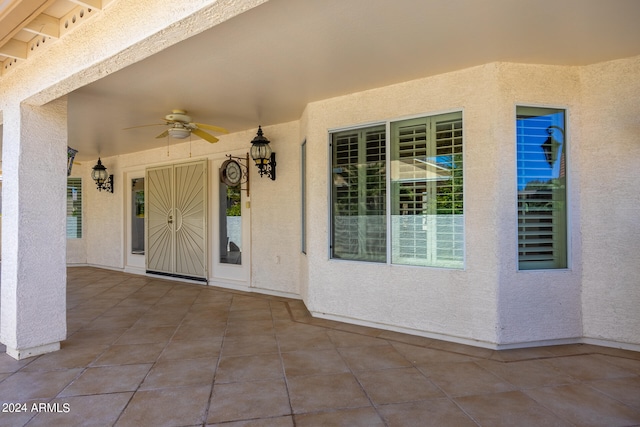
(14, 49)
(94, 4)
(45, 25)
(18, 15)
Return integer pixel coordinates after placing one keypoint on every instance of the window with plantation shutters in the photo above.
(359, 195)
(411, 215)
(74, 208)
(542, 207)
(427, 222)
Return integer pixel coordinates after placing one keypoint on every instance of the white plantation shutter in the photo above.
(74, 208)
(542, 210)
(359, 206)
(427, 206)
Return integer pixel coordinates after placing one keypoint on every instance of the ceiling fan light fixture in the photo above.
(179, 132)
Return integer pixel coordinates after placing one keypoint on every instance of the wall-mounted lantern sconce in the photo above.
(102, 179)
(263, 156)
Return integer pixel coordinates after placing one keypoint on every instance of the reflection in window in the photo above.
(542, 185)
(230, 225)
(137, 216)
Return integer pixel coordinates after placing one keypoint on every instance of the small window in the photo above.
(74, 208)
(542, 188)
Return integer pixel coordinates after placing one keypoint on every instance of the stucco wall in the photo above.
(538, 306)
(609, 155)
(456, 304)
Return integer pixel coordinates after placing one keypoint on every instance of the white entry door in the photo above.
(177, 220)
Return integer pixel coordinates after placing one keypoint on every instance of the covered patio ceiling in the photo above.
(264, 66)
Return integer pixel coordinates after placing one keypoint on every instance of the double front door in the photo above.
(176, 223)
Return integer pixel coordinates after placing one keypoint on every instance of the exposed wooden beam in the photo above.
(14, 49)
(45, 25)
(94, 4)
(17, 16)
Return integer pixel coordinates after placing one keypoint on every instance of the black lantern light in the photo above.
(102, 179)
(263, 156)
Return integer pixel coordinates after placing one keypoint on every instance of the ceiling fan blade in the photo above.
(211, 127)
(202, 134)
(163, 134)
(144, 126)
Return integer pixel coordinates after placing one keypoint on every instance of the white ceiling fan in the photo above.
(181, 126)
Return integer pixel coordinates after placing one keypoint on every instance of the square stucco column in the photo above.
(33, 283)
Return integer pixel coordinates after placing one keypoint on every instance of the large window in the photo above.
(74, 208)
(399, 199)
(542, 188)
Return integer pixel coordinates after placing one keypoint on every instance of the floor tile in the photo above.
(527, 374)
(249, 368)
(248, 400)
(66, 358)
(199, 332)
(180, 373)
(108, 379)
(166, 407)
(250, 327)
(313, 362)
(350, 339)
(397, 385)
(323, 392)
(310, 340)
(463, 379)
(130, 354)
(246, 345)
(420, 355)
(582, 405)
(589, 367)
(509, 409)
(286, 421)
(144, 335)
(358, 417)
(432, 412)
(22, 386)
(96, 410)
(187, 349)
(147, 351)
(380, 357)
(625, 390)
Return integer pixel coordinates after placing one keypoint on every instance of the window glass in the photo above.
(359, 225)
(427, 222)
(230, 224)
(542, 182)
(74, 208)
(137, 216)
(419, 213)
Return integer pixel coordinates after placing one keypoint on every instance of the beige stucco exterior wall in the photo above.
(452, 304)
(490, 302)
(609, 154)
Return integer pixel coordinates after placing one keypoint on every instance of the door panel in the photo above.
(190, 230)
(176, 220)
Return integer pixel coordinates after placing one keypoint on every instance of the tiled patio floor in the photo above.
(150, 352)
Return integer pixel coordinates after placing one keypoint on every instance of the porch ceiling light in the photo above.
(103, 180)
(263, 156)
(179, 132)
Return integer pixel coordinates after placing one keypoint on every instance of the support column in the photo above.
(33, 282)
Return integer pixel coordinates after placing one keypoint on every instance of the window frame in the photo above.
(67, 216)
(388, 184)
(568, 171)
